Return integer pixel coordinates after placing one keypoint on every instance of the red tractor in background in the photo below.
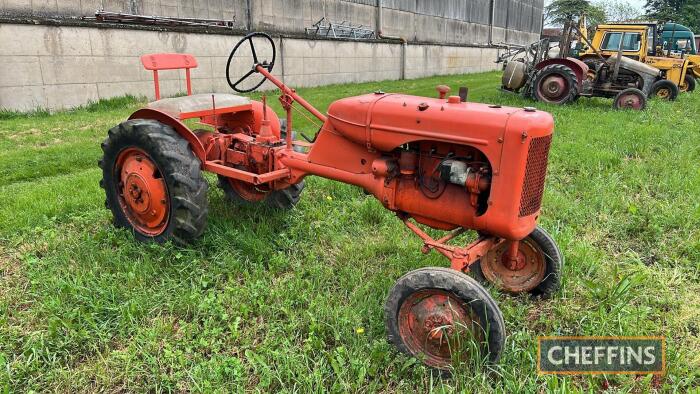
(441, 162)
(545, 73)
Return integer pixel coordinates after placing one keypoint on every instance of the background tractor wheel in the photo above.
(688, 84)
(153, 182)
(540, 275)
(555, 84)
(243, 193)
(440, 315)
(630, 99)
(665, 89)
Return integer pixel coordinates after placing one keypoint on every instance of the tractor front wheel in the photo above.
(153, 182)
(689, 84)
(556, 84)
(538, 272)
(441, 316)
(665, 89)
(630, 98)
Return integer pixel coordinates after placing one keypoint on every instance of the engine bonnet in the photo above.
(634, 65)
(385, 121)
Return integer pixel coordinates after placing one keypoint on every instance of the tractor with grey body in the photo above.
(537, 71)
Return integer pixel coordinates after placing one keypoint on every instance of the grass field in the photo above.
(292, 301)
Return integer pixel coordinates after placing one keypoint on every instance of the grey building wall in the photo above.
(59, 62)
(439, 21)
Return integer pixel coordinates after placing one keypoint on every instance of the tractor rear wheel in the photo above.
(665, 89)
(440, 315)
(243, 193)
(689, 84)
(555, 84)
(153, 182)
(630, 98)
(539, 275)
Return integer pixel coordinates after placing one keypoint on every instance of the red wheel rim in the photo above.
(516, 277)
(629, 100)
(142, 192)
(432, 323)
(554, 87)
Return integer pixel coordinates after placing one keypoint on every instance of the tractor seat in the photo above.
(198, 105)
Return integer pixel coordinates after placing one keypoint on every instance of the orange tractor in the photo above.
(439, 162)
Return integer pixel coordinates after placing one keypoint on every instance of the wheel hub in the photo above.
(520, 274)
(137, 197)
(663, 93)
(630, 101)
(553, 87)
(143, 194)
(430, 321)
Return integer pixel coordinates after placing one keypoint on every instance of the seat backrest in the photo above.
(169, 61)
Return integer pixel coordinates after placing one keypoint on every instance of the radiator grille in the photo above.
(535, 171)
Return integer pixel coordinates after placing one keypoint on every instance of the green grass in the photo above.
(293, 301)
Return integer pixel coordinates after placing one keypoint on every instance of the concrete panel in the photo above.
(68, 8)
(22, 98)
(430, 28)
(71, 95)
(44, 7)
(36, 40)
(89, 7)
(116, 89)
(399, 24)
(88, 69)
(115, 5)
(151, 8)
(20, 71)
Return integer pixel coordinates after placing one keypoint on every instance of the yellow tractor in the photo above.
(638, 41)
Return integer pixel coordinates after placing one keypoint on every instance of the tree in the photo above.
(619, 10)
(560, 11)
(685, 12)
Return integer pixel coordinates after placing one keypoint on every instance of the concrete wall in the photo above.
(202, 9)
(60, 67)
(440, 21)
(51, 58)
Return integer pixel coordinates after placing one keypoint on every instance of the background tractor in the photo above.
(679, 41)
(642, 42)
(443, 163)
(544, 72)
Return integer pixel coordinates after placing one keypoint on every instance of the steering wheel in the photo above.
(256, 62)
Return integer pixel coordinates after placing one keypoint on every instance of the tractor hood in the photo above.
(385, 121)
(634, 65)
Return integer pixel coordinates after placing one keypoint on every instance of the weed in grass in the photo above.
(272, 301)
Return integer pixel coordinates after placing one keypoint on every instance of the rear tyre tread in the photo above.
(180, 168)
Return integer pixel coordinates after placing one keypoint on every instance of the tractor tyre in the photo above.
(689, 84)
(555, 84)
(242, 193)
(440, 315)
(153, 182)
(665, 89)
(630, 98)
(540, 275)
